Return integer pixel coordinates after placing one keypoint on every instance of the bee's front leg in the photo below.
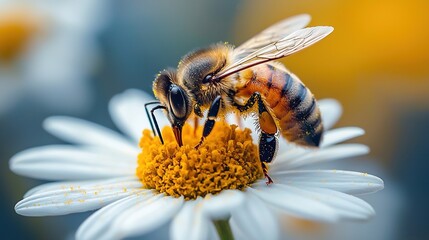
(211, 118)
(268, 142)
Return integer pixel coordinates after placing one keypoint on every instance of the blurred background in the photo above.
(69, 57)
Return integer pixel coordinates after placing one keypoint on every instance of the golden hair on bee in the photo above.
(195, 69)
(222, 79)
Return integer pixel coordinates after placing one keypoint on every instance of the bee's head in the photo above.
(195, 72)
(175, 99)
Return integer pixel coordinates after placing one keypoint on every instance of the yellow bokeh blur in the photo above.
(375, 62)
(18, 24)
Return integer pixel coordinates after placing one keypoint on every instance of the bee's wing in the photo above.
(273, 34)
(285, 46)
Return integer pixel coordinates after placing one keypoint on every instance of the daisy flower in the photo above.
(48, 47)
(219, 187)
(389, 204)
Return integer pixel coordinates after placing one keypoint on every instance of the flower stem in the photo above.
(223, 229)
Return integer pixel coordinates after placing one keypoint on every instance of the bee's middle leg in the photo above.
(196, 124)
(268, 141)
(211, 118)
(198, 114)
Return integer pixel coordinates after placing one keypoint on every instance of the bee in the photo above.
(221, 79)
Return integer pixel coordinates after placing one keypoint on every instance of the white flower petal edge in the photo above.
(128, 112)
(333, 153)
(83, 132)
(146, 216)
(213, 235)
(347, 206)
(338, 180)
(295, 202)
(331, 111)
(338, 135)
(341, 205)
(254, 220)
(220, 206)
(330, 138)
(67, 162)
(76, 184)
(76, 199)
(190, 223)
(237, 232)
(98, 225)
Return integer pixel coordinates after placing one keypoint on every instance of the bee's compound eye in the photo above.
(207, 78)
(178, 101)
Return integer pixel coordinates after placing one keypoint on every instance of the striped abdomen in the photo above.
(294, 106)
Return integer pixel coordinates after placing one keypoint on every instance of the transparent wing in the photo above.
(273, 34)
(285, 46)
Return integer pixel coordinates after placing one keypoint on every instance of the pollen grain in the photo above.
(227, 159)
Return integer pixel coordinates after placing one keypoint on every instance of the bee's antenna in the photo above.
(152, 118)
(155, 122)
(148, 116)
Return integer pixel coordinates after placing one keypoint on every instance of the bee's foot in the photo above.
(269, 180)
(265, 170)
(198, 145)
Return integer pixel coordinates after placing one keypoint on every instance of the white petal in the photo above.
(254, 220)
(338, 135)
(66, 162)
(213, 235)
(98, 225)
(237, 231)
(288, 152)
(347, 206)
(79, 131)
(295, 202)
(285, 146)
(220, 206)
(343, 181)
(190, 223)
(72, 199)
(128, 112)
(146, 216)
(322, 155)
(54, 186)
(331, 111)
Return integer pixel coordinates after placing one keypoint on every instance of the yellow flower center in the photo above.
(227, 159)
(17, 27)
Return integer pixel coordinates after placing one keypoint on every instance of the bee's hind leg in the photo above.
(211, 118)
(268, 142)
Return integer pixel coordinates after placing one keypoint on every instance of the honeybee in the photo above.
(221, 79)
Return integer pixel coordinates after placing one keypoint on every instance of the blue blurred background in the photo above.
(69, 57)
